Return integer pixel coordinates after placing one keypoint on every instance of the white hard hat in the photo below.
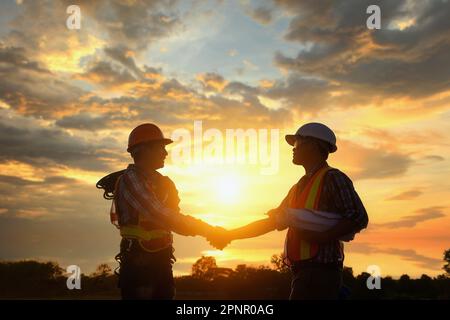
(315, 130)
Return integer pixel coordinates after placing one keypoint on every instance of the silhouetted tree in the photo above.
(277, 262)
(446, 266)
(32, 279)
(204, 267)
(102, 270)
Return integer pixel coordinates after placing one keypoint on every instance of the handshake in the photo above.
(219, 237)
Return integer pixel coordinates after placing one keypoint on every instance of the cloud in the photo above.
(302, 94)
(12, 57)
(20, 182)
(412, 220)
(338, 46)
(371, 162)
(172, 104)
(49, 147)
(212, 81)
(233, 52)
(105, 74)
(37, 87)
(420, 260)
(434, 158)
(31, 89)
(406, 195)
(406, 254)
(84, 121)
(124, 56)
(49, 198)
(262, 14)
(311, 95)
(40, 28)
(72, 239)
(136, 23)
(392, 140)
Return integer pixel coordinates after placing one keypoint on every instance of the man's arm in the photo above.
(143, 199)
(342, 228)
(254, 229)
(274, 221)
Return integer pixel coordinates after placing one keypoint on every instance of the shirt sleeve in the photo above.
(172, 200)
(143, 199)
(345, 199)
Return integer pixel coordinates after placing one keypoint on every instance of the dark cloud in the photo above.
(402, 78)
(134, 23)
(117, 69)
(20, 182)
(31, 89)
(48, 147)
(84, 121)
(236, 87)
(13, 58)
(262, 14)
(105, 74)
(124, 56)
(406, 195)
(212, 81)
(339, 47)
(412, 220)
(302, 93)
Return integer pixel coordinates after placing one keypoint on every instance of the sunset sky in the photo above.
(69, 98)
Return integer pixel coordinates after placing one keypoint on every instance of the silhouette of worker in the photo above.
(145, 209)
(319, 211)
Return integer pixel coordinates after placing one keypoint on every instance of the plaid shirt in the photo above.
(152, 197)
(338, 196)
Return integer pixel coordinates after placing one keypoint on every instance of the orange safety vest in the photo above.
(296, 249)
(149, 238)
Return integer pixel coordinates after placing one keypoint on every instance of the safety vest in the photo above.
(296, 249)
(149, 238)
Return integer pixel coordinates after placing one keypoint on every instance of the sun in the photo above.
(228, 189)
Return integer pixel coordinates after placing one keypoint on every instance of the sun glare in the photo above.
(228, 189)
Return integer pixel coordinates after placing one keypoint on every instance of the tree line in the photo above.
(47, 280)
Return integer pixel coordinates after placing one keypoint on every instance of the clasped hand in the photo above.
(219, 238)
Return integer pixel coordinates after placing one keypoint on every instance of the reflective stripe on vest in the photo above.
(296, 249)
(150, 240)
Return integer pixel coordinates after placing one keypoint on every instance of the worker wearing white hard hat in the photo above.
(320, 211)
(314, 130)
